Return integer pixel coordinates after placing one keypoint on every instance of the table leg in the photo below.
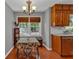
(37, 56)
(17, 53)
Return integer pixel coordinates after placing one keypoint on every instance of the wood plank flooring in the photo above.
(44, 54)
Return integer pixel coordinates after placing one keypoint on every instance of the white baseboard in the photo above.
(47, 47)
(9, 52)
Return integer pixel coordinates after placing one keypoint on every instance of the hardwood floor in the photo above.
(44, 54)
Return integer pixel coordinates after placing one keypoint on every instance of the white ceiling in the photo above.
(41, 5)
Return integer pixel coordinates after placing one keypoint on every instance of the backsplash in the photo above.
(56, 29)
(61, 29)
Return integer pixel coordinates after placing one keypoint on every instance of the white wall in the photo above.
(46, 35)
(41, 14)
(45, 24)
(16, 14)
(9, 18)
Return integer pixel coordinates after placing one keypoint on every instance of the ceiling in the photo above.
(42, 5)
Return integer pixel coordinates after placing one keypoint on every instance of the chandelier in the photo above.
(29, 9)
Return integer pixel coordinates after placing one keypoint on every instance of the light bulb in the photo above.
(24, 7)
(33, 7)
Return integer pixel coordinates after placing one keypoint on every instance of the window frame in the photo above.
(40, 25)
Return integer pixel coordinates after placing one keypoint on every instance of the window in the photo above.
(23, 25)
(30, 27)
(24, 28)
(35, 27)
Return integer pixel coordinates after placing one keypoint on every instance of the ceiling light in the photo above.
(33, 7)
(29, 9)
(24, 7)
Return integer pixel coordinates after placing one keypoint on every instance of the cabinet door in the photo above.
(53, 16)
(71, 10)
(67, 46)
(56, 15)
(66, 7)
(65, 18)
(58, 18)
(56, 44)
(58, 7)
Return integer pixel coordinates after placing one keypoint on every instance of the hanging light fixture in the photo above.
(29, 9)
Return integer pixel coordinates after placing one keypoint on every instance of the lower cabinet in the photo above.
(63, 45)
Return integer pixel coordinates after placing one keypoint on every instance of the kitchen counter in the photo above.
(62, 34)
(59, 31)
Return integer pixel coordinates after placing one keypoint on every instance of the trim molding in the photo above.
(47, 47)
(9, 52)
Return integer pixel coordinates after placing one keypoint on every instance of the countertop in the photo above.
(59, 31)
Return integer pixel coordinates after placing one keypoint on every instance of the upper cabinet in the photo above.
(29, 19)
(34, 19)
(60, 14)
(23, 19)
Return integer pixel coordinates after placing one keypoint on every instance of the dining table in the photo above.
(28, 47)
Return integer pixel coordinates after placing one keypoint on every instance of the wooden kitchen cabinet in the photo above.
(70, 9)
(26, 19)
(66, 46)
(60, 14)
(23, 19)
(65, 18)
(56, 15)
(56, 44)
(35, 19)
(63, 45)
